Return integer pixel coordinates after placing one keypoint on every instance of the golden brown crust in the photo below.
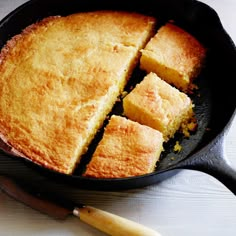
(155, 103)
(126, 149)
(17, 39)
(174, 55)
(59, 79)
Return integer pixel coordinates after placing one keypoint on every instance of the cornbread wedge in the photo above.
(155, 103)
(175, 56)
(127, 149)
(60, 78)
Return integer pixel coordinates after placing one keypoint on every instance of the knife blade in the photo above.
(106, 222)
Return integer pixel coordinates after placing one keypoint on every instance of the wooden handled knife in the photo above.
(104, 221)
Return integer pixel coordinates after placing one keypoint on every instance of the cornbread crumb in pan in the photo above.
(175, 56)
(155, 103)
(126, 149)
(60, 78)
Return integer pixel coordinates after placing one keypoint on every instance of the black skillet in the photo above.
(215, 101)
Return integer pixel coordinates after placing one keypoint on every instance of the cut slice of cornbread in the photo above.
(126, 149)
(174, 55)
(60, 78)
(156, 103)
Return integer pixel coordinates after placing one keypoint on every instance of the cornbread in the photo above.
(175, 56)
(155, 103)
(60, 78)
(126, 149)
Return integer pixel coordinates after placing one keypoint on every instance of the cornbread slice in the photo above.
(155, 103)
(175, 56)
(127, 149)
(60, 78)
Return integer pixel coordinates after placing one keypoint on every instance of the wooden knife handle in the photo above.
(112, 224)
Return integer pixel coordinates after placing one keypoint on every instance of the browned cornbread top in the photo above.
(156, 103)
(61, 76)
(175, 55)
(126, 149)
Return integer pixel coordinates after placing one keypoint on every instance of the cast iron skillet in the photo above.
(215, 101)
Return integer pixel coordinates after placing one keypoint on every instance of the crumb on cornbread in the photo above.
(155, 103)
(174, 55)
(127, 149)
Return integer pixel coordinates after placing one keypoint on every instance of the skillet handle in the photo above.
(212, 162)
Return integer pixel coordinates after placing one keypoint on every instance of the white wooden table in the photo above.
(189, 203)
